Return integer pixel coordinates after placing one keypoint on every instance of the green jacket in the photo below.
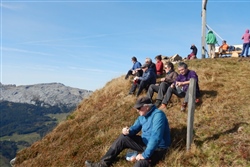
(211, 38)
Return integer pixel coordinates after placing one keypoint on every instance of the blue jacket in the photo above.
(155, 131)
(136, 65)
(149, 76)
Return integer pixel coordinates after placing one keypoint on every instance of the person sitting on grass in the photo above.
(181, 85)
(151, 145)
(136, 68)
(162, 88)
(193, 54)
(148, 77)
(151, 64)
(159, 66)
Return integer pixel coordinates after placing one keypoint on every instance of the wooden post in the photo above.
(203, 28)
(191, 107)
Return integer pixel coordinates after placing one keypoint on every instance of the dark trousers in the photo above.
(141, 84)
(245, 48)
(171, 91)
(134, 143)
(160, 89)
(130, 72)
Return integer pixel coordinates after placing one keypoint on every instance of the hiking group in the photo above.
(151, 146)
(170, 82)
(212, 40)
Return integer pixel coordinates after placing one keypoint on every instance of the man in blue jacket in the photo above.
(148, 77)
(136, 68)
(153, 143)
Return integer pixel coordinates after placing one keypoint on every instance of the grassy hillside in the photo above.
(221, 124)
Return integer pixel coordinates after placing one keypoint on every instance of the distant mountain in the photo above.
(29, 112)
(44, 95)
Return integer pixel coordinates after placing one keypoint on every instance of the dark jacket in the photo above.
(153, 67)
(148, 76)
(171, 76)
(194, 50)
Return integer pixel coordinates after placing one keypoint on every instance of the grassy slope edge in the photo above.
(221, 124)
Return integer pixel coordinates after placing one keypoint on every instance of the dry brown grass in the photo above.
(221, 124)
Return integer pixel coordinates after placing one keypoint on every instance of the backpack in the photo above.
(231, 48)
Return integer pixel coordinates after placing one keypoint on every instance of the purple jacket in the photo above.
(246, 37)
(186, 77)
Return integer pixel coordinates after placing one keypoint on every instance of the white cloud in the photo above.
(11, 6)
(25, 51)
(65, 39)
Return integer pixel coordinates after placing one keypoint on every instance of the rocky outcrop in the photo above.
(174, 59)
(44, 95)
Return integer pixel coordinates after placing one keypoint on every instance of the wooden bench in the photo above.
(235, 53)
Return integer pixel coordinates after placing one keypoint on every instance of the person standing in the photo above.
(162, 88)
(246, 43)
(152, 144)
(211, 41)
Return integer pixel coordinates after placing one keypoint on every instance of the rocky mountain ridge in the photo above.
(44, 94)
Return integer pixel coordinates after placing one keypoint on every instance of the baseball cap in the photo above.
(144, 65)
(141, 101)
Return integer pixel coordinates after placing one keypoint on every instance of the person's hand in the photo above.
(133, 72)
(135, 78)
(178, 83)
(139, 157)
(172, 85)
(125, 130)
(162, 79)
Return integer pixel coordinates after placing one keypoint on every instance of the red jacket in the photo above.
(159, 68)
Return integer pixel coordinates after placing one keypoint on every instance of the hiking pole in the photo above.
(205, 51)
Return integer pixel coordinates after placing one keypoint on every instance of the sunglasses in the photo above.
(139, 108)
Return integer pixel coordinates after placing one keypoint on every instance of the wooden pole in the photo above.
(203, 29)
(191, 107)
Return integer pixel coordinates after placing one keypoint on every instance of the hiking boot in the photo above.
(158, 103)
(163, 106)
(183, 106)
(96, 164)
(130, 93)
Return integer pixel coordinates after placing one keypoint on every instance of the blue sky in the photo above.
(85, 44)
